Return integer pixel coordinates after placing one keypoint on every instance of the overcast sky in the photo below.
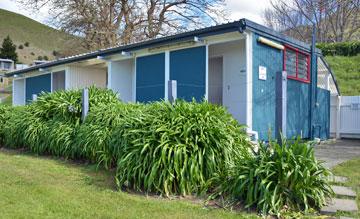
(250, 9)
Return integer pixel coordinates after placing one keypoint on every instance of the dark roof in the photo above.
(240, 26)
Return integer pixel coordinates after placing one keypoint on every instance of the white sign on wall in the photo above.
(262, 73)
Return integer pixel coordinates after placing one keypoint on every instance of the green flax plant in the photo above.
(175, 148)
(277, 177)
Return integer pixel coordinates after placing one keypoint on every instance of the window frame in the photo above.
(297, 52)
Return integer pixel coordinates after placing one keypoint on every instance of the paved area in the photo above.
(339, 205)
(337, 152)
(344, 191)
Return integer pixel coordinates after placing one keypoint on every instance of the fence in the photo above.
(345, 116)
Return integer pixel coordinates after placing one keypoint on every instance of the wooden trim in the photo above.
(297, 52)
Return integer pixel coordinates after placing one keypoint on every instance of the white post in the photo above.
(207, 73)
(167, 74)
(327, 81)
(249, 79)
(109, 74)
(338, 117)
(34, 97)
(172, 94)
(85, 103)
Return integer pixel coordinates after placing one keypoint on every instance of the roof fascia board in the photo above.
(128, 48)
(267, 32)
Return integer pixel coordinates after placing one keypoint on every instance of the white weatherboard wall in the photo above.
(234, 76)
(77, 77)
(18, 92)
(120, 80)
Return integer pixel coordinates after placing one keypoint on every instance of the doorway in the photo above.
(216, 80)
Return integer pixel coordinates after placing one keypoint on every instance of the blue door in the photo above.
(36, 85)
(188, 68)
(150, 78)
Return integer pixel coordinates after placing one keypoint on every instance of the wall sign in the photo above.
(262, 73)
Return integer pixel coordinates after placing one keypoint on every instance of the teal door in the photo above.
(150, 78)
(188, 68)
(36, 85)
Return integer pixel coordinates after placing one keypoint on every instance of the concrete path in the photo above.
(338, 152)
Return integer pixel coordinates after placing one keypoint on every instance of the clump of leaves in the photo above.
(277, 177)
(94, 135)
(175, 149)
(17, 120)
(4, 117)
(66, 105)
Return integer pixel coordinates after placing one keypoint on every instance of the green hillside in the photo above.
(347, 73)
(43, 40)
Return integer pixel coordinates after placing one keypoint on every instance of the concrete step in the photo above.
(345, 191)
(339, 205)
(338, 179)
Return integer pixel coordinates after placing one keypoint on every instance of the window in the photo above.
(297, 64)
(7, 65)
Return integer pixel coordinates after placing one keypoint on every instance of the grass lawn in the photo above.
(350, 169)
(347, 73)
(42, 187)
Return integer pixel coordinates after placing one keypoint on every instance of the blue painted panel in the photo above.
(150, 78)
(264, 92)
(188, 68)
(298, 104)
(36, 85)
(322, 115)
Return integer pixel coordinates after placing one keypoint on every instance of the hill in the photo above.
(43, 40)
(347, 73)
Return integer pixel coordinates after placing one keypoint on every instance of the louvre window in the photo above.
(297, 64)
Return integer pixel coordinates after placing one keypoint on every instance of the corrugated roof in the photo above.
(240, 25)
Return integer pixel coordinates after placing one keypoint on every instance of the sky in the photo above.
(250, 9)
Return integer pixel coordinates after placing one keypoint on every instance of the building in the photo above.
(236, 65)
(6, 65)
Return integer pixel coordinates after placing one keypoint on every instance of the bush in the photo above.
(277, 177)
(18, 119)
(341, 49)
(94, 136)
(27, 44)
(21, 47)
(4, 116)
(175, 149)
(66, 105)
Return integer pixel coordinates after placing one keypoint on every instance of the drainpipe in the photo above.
(313, 84)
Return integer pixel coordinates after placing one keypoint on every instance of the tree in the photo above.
(105, 23)
(8, 50)
(335, 20)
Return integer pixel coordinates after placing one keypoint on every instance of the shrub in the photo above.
(94, 136)
(66, 105)
(21, 47)
(175, 149)
(341, 48)
(4, 117)
(18, 119)
(27, 44)
(277, 177)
